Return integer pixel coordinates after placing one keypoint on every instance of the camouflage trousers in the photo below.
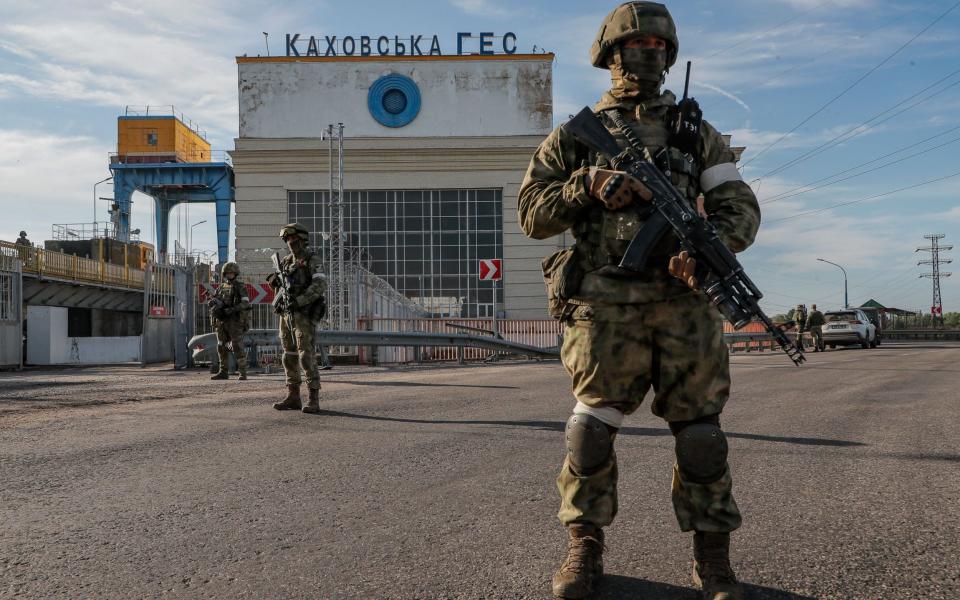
(816, 333)
(297, 336)
(230, 339)
(614, 355)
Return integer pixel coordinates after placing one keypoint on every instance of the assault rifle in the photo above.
(719, 272)
(282, 299)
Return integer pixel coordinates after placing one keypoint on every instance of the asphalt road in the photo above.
(439, 483)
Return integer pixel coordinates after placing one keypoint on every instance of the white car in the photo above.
(850, 326)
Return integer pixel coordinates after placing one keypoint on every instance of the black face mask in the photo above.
(638, 72)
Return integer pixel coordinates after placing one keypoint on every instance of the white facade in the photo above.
(479, 122)
(49, 343)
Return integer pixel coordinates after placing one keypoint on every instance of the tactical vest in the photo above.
(299, 273)
(602, 238)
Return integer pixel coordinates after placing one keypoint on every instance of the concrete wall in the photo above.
(460, 96)
(480, 123)
(48, 343)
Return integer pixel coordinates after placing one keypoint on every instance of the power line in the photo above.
(762, 33)
(874, 197)
(785, 195)
(829, 50)
(867, 125)
(852, 85)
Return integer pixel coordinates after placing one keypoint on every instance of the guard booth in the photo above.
(11, 311)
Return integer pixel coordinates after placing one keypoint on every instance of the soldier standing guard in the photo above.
(229, 311)
(815, 322)
(303, 305)
(800, 316)
(625, 331)
(22, 240)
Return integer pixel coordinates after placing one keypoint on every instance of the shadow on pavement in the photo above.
(559, 426)
(418, 384)
(618, 586)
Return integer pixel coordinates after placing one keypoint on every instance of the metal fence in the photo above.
(68, 267)
(11, 311)
(543, 333)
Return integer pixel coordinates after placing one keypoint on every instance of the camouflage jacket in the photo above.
(553, 199)
(308, 281)
(234, 296)
(815, 319)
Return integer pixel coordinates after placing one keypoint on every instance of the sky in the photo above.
(849, 110)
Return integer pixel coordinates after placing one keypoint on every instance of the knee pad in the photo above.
(589, 442)
(701, 452)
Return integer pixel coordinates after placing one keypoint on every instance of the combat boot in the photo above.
(313, 404)
(292, 401)
(711, 567)
(583, 566)
(242, 376)
(221, 375)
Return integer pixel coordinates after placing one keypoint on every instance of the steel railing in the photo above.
(67, 267)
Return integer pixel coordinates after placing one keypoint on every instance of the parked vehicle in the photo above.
(877, 319)
(848, 327)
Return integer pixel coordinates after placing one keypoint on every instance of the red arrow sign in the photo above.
(259, 293)
(491, 269)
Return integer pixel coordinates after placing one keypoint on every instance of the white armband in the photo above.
(719, 174)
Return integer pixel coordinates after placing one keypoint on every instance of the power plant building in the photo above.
(435, 149)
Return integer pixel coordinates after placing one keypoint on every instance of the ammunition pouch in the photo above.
(562, 274)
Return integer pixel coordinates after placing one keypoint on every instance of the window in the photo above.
(422, 242)
(152, 137)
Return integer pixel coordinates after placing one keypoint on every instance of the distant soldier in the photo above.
(800, 316)
(300, 301)
(22, 240)
(24, 248)
(229, 311)
(815, 323)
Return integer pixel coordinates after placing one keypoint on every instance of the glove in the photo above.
(683, 267)
(615, 189)
(292, 304)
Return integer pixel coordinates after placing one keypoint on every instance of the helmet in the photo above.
(630, 20)
(230, 267)
(23, 234)
(295, 229)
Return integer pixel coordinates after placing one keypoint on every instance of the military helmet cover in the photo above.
(634, 19)
(230, 267)
(294, 229)
(23, 234)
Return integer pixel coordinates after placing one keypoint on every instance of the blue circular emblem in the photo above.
(394, 100)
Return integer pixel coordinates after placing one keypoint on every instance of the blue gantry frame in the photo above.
(170, 184)
(394, 100)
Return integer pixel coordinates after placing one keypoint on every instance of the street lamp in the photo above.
(95, 202)
(846, 302)
(190, 243)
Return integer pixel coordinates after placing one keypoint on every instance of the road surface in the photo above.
(438, 482)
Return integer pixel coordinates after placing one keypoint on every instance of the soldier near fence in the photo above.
(814, 325)
(22, 240)
(300, 287)
(230, 313)
(626, 331)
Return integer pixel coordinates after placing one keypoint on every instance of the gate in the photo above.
(159, 314)
(11, 311)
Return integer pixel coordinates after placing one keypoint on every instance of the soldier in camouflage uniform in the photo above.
(626, 332)
(304, 308)
(800, 316)
(229, 312)
(815, 322)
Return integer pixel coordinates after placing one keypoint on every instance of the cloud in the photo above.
(94, 56)
(484, 8)
(27, 160)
